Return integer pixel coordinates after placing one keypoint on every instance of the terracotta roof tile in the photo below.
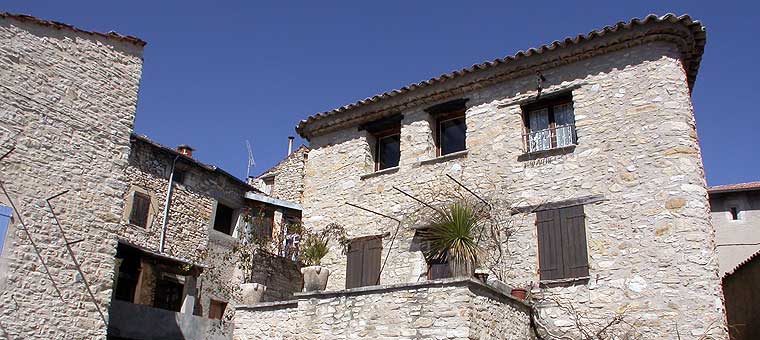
(692, 60)
(111, 35)
(734, 187)
(742, 264)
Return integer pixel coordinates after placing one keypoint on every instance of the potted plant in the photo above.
(451, 239)
(251, 243)
(313, 249)
(520, 293)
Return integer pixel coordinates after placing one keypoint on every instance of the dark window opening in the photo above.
(129, 272)
(562, 250)
(387, 150)
(451, 133)
(179, 176)
(223, 219)
(168, 294)
(140, 209)
(268, 185)
(263, 222)
(216, 310)
(438, 269)
(734, 213)
(5, 219)
(549, 124)
(363, 267)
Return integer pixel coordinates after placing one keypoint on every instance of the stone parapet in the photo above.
(439, 309)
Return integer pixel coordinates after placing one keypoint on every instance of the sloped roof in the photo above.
(753, 257)
(265, 173)
(692, 59)
(734, 187)
(58, 25)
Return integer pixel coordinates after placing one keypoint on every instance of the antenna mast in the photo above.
(251, 162)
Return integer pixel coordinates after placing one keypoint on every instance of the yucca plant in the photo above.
(313, 249)
(451, 238)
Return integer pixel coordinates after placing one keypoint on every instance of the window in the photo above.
(734, 213)
(549, 124)
(451, 133)
(179, 176)
(216, 309)
(168, 294)
(140, 209)
(263, 222)
(223, 219)
(387, 149)
(562, 252)
(363, 267)
(268, 184)
(5, 219)
(438, 269)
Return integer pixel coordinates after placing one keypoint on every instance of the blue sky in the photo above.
(219, 73)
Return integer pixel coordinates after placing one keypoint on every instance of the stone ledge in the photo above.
(444, 158)
(270, 305)
(379, 173)
(529, 156)
(473, 284)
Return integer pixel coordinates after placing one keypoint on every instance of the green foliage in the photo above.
(451, 238)
(315, 245)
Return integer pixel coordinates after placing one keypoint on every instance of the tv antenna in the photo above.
(251, 162)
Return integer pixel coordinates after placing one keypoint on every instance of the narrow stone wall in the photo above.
(288, 177)
(67, 106)
(281, 276)
(445, 309)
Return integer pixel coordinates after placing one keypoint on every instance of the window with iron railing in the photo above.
(549, 125)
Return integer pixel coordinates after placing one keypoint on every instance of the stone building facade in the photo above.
(735, 212)
(285, 180)
(619, 153)
(67, 108)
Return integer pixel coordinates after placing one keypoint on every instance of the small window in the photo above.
(387, 149)
(451, 133)
(263, 222)
(140, 210)
(179, 176)
(734, 213)
(5, 219)
(363, 266)
(168, 294)
(439, 269)
(562, 250)
(223, 219)
(268, 185)
(549, 124)
(216, 309)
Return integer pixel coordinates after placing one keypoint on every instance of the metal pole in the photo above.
(166, 207)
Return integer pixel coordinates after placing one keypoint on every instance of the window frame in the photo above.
(211, 304)
(368, 271)
(133, 206)
(447, 117)
(395, 131)
(549, 104)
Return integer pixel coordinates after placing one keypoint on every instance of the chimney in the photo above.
(186, 150)
(290, 144)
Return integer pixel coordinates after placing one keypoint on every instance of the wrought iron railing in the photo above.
(551, 138)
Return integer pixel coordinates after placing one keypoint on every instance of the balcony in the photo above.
(558, 137)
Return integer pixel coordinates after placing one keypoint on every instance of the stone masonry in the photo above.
(651, 248)
(67, 110)
(446, 309)
(287, 175)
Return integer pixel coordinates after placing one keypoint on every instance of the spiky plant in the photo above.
(451, 238)
(313, 249)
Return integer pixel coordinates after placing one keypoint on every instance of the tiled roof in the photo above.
(111, 35)
(692, 59)
(193, 161)
(734, 187)
(742, 264)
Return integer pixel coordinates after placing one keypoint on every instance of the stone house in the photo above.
(67, 107)
(735, 213)
(285, 179)
(174, 277)
(592, 140)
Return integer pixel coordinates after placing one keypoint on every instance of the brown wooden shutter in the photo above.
(354, 265)
(575, 252)
(371, 265)
(140, 206)
(549, 245)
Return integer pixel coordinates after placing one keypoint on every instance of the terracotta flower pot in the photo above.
(314, 278)
(520, 293)
(252, 293)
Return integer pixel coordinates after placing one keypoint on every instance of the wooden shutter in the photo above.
(354, 265)
(371, 264)
(549, 245)
(140, 207)
(575, 252)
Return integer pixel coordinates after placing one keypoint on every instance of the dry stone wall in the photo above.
(288, 177)
(446, 309)
(650, 242)
(67, 106)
